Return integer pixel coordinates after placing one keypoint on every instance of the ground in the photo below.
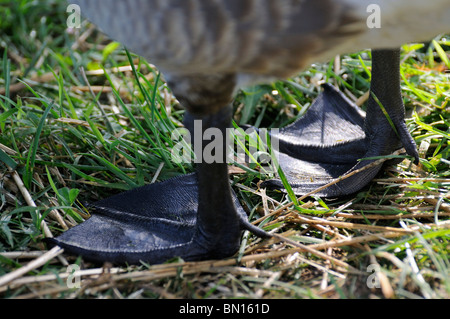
(78, 123)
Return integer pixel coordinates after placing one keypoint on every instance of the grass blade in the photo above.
(29, 167)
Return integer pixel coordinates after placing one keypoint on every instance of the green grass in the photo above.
(71, 146)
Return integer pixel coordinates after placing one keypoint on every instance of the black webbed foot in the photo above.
(194, 217)
(152, 223)
(334, 135)
(322, 146)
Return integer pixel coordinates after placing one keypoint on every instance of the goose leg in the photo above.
(334, 135)
(194, 217)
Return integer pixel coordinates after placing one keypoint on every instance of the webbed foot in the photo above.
(194, 217)
(334, 135)
(152, 223)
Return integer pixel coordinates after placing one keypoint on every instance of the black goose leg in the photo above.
(385, 87)
(334, 134)
(194, 217)
(219, 226)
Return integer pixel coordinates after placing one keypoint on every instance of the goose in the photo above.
(206, 50)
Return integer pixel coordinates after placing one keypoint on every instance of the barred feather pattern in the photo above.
(266, 37)
(208, 48)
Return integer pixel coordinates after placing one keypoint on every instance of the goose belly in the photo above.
(260, 39)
